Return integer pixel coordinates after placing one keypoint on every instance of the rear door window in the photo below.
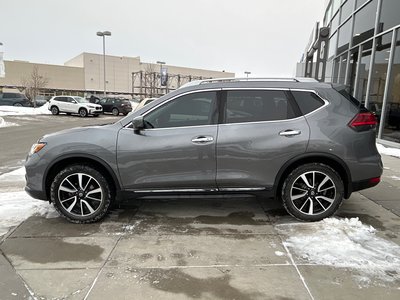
(257, 105)
(9, 96)
(307, 101)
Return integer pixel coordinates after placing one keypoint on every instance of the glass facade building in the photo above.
(363, 52)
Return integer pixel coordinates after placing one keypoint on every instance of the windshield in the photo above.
(80, 100)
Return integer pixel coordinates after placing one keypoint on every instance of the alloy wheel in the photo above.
(313, 192)
(80, 194)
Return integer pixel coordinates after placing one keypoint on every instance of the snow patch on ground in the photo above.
(16, 206)
(345, 243)
(6, 124)
(15, 110)
(16, 175)
(394, 177)
(388, 151)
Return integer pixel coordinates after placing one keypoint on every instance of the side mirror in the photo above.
(73, 101)
(138, 123)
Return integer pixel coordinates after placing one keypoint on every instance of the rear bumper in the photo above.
(126, 110)
(365, 184)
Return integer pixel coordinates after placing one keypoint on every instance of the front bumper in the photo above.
(41, 195)
(94, 111)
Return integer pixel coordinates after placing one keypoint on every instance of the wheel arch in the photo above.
(328, 159)
(86, 159)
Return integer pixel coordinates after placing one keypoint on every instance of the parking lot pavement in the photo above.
(17, 140)
(219, 248)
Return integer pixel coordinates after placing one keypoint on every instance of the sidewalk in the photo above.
(222, 248)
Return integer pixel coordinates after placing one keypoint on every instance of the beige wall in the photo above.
(59, 77)
(85, 73)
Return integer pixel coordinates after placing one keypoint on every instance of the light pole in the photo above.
(247, 74)
(161, 63)
(104, 34)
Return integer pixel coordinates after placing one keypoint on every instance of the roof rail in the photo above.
(252, 79)
(257, 79)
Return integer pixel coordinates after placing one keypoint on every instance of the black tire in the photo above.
(18, 104)
(83, 112)
(54, 110)
(115, 111)
(80, 212)
(318, 198)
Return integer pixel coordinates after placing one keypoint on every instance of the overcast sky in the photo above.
(266, 37)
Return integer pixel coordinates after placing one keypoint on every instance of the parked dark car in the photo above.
(116, 106)
(42, 100)
(305, 143)
(14, 99)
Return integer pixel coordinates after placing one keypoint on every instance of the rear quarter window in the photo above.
(307, 101)
(257, 106)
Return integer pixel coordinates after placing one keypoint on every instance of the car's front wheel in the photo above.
(83, 112)
(312, 192)
(81, 194)
(18, 104)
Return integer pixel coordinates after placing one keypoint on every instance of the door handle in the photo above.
(289, 133)
(202, 139)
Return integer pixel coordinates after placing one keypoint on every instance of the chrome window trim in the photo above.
(326, 102)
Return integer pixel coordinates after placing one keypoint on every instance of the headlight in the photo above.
(37, 147)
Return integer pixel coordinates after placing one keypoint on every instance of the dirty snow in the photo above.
(394, 177)
(14, 110)
(345, 243)
(6, 124)
(16, 175)
(388, 151)
(16, 206)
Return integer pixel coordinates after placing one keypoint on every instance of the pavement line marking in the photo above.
(108, 257)
(101, 269)
(298, 271)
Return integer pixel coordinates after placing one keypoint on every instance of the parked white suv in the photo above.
(74, 105)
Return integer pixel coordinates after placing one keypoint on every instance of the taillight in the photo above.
(363, 121)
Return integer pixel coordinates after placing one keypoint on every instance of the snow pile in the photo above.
(18, 110)
(16, 175)
(17, 206)
(345, 243)
(388, 151)
(6, 124)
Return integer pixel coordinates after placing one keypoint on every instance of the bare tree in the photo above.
(33, 84)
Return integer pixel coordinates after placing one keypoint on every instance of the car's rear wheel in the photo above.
(81, 194)
(18, 104)
(55, 110)
(115, 111)
(312, 192)
(83, 112)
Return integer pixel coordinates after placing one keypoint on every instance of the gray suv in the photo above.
(307, 143)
